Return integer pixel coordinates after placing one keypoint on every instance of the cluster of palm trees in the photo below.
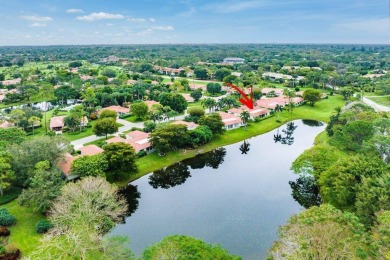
(212, 104)
(160, 113)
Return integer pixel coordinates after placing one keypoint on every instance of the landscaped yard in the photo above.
(321, 111)
(23, 233)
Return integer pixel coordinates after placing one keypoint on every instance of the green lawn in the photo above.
(134, 119)
(99, 142)
(23, 234)
(384, 101)
(321, 111)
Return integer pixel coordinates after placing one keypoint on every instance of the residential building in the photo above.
(57, 123)
(233, 60)
(139, 141)
(231, 121)
(118, 109)
(11, 82)
(257, 111)
(90, 150)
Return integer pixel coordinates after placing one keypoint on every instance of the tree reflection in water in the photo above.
(245, 147)
(305, 191)
(178, 173)
(131, 194)
(312, 122)
(288, 134)
(170, 176)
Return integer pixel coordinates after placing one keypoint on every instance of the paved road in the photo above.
(376, 106)
(77, 144)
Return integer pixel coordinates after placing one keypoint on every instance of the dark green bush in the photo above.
(43, 226)
(6, 219)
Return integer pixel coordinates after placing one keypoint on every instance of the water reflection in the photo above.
(305, 191)
(245, 147)
(170, 176)
(131, 194)
(312, 122)
(178, 173)
(287, 138)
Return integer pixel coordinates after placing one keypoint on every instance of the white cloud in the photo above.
(162, 28)
(152, 20)
(38, 25)
(74, 11)
(99, 16)
(37, 18)
(372, 26)
(236, 6)
(190, 12)
(136, 20)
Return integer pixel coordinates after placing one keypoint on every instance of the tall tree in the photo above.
(105, 126)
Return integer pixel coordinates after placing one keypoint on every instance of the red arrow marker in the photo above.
(244, 99)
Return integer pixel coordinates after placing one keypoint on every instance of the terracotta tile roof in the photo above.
(255, 112)
(230, 119)
(139, 140)
(90, 150)
(117, 109)
(116, 139)
(188, 97)
(190, 125)
(57, 121)
(6, 124)
(65, 163)
(196, 86)
(86, 77)
(150, 103)
(11, 81)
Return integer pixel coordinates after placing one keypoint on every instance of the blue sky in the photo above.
(51, 22)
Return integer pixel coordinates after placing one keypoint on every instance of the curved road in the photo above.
(376, 106)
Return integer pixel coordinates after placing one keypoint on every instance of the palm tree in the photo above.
(33, 121)
(221, 104)
(245, 117)
(209, 103)
(278, 108)
(290, 107)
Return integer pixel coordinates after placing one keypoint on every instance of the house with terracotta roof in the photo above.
(150, 103)
(257, 111)
(86, 77)
(277, 91)
(139, 141)
(231, 121)
(57, 123)
(90, 150)
(118, 109)
(188, 98)
(11, 82)
(6, 124)
(116, 139)
(65, 163)
(189, 125)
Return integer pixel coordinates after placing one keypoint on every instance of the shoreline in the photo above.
(153, 161)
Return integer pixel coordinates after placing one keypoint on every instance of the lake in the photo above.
(236, 196)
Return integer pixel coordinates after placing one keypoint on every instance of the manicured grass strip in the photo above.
(23, 233)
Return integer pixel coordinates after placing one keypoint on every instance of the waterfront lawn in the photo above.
(321, 111)
(23, 233)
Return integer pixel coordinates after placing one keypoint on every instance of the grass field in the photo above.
(321, 111)
(23, 233)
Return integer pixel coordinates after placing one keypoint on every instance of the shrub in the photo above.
(4, 232)
(43, 226)
(141, 154)
(6, 219)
